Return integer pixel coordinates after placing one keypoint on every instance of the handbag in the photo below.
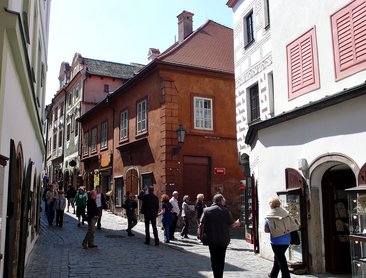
(295, 239)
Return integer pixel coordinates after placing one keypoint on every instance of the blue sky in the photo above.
(119, 30)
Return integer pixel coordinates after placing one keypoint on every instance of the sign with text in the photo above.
(219, 171)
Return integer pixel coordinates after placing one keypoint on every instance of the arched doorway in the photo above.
(132, 184)
(335, 217)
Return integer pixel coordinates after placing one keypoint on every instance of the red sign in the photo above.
(219, 171)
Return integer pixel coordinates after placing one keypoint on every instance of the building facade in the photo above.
(24, 27)
(190, 85)
(308, 152)
(83, 84)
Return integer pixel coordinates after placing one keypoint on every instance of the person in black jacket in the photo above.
(130, 205)
(88, 241)
(216, 221)
(150, 209)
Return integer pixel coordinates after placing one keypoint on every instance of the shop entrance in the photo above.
(335, 214)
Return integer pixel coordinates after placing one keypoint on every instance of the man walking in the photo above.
(88, 241)
(150, 209)
(216, 221)
(175, 213)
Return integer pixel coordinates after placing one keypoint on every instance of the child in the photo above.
(60, 204)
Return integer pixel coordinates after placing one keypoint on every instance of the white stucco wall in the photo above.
(312, 13)
(335, 130)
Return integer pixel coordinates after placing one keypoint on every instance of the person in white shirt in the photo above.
(175, 213)
(101, 204)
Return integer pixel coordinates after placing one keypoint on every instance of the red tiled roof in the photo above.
(209, 47)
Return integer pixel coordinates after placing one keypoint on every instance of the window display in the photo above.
(357, 229)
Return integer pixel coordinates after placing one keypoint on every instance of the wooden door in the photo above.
(196, 177)
(335, 215)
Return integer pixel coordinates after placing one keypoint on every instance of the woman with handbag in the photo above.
(279, 224)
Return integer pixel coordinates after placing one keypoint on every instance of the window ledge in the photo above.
(249, 44)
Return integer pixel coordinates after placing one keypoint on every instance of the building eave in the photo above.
(323, 103)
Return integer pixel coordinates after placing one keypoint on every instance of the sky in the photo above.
(120, 31)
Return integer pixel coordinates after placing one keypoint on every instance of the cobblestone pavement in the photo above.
(59, 253)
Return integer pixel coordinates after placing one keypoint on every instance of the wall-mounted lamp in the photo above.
(181, 134)
(302, 165)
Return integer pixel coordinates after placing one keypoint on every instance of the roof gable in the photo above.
(209, 47)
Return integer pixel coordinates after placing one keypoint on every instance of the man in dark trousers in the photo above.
(150, 209)
(88, 241)
(216, 222)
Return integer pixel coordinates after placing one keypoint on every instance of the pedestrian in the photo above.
(166, 212)
(279, 224)
(150, 208)
(88, 241)
(216, 221)
(44, 194)
(60, 204)
(175, 213)
(50, 199)
(70, 195)
(199, 206)
(101, 204)
(185, 216)
(80, 201)
(130, 205)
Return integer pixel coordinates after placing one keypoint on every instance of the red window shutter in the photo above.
(302, 65)
(349, 38)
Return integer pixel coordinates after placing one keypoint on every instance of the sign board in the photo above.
(219, 171)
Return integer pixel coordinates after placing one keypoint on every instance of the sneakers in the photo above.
(93, 246)
(85, 246)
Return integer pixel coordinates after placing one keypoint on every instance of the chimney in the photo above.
(185, 25)
(153, 53)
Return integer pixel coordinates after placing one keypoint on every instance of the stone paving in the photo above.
(59, 253)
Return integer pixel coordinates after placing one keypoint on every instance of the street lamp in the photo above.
(181, 133)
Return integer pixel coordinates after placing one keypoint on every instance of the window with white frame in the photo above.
(94, 134)
(123, 126)
(104, 135)
(254, 108)
(142, 116)
(248, 29)
(86, 143)
(267, 19)
(203, 113)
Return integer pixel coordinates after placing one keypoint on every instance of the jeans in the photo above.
(147, 229)
(280, 262)
(50, 213)
(132, 220)
(89, 237)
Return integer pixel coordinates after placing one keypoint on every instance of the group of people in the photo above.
(215, 221)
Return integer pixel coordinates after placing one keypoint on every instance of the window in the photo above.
(61, 111)
(202, 113)
(60, 138)
(70, 100)
(76, 128)
(302, 65)
(56, 113)
(267, 20)
(68, 132)
(123, 128)
(104, 135)
(142, 116)
(72, 123)
(248, 29)
(254, 103)
(86, 143)
(94, 134)
(118, 182)
(270, 93)
(349, 29)
(106, 88)
(147, 179)
(54, 140)
(76, 92)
